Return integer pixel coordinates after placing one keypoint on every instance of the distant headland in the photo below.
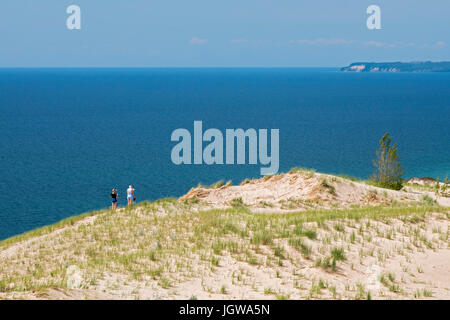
(418, 66)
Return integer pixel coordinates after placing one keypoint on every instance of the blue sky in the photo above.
(219, 33)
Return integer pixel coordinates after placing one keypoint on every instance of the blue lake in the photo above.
(68, 136)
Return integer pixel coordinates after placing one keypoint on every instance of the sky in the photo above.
(221, 33)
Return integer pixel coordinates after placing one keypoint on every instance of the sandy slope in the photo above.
(399, 257)
(301, 190)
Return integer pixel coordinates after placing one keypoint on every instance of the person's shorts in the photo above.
(130, 197)
(114, 200)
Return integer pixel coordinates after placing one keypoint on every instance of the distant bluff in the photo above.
(420, 66)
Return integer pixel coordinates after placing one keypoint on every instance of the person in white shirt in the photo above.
(130, 195)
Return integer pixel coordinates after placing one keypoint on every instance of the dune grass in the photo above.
(166, 241)
(70, 221)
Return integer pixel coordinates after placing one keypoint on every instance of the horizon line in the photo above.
(172, 67)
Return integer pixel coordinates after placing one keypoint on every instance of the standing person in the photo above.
(130, 195)
(114, 199)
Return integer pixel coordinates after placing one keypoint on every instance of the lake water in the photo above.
(68, 136)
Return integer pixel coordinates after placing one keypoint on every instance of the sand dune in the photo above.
(300, 190)
(300, 235)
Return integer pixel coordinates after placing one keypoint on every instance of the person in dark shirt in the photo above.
(114, 199)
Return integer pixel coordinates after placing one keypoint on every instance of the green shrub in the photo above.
(338, 254)
(217, 184)
(301, 246)
(237, 203)
(389, 172)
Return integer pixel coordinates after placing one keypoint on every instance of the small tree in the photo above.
(389, 171)
(445, 186)
(437, 186)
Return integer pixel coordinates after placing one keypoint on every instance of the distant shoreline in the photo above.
(419, 66)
